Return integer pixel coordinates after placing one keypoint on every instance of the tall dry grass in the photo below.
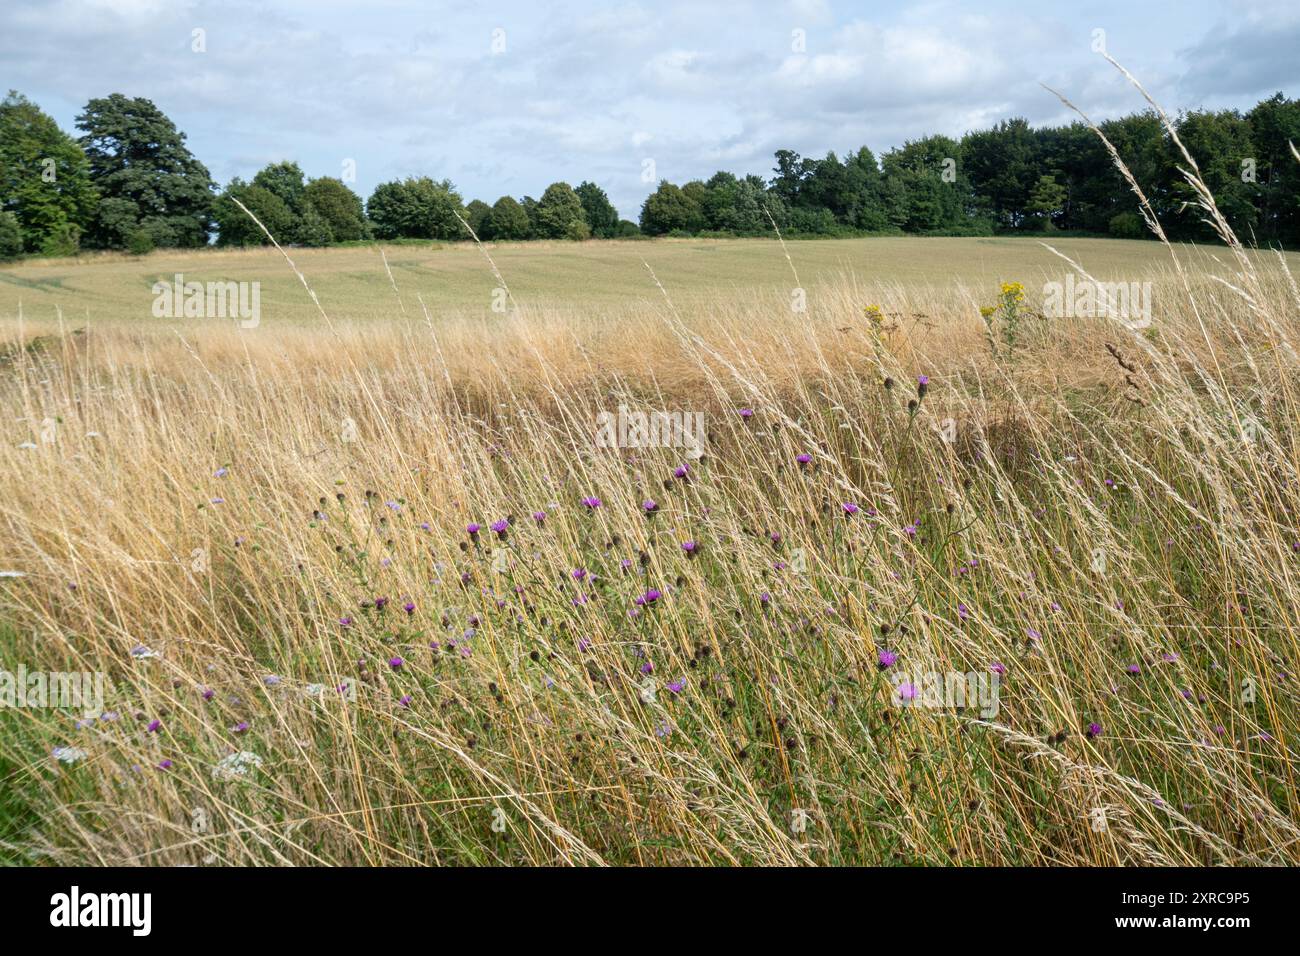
(1108, 516)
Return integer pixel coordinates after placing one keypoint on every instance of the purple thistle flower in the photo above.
(578, 574)
(681, 471)
(395, 662)
(501, 527)
(405, 700)
(1094, 730)
(164, 765)
(746, 413)
(650, 506)
(677, 686)
(645, 600)
(591, 502)
(803, 459)
(885, 658)
(473, 528)
(345, 621)
(849, 508)
(539, 516)
(409, 607)
(690, 548)
(208, 693)
(240, 727)
(154, 725)
(907, 691)
(998, 668)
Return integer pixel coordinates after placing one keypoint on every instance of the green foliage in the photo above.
(508, 220)
(44, 176)
(476, 214)
(139, 160)
(236, 227)
(1046, 201)
(668, 209)
(11, 236)
(1127, 225)
(140, 243)
(416, 208)
(559, 212)
(339, 206)
(600, 213)
(64, 240)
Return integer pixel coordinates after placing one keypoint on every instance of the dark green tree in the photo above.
(416, 208)
(668, 209)
(44, 175)
(508, 221)
(600, 213)
(236, 228)
(558, 211)
(339, 206)
(145, 175)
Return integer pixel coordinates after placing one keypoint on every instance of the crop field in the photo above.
(368, 582)
(598, 278)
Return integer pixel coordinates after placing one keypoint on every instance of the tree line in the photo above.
(130, 182)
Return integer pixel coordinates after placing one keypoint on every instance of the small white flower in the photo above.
(68, 754)
(142, 653)
(236, 765)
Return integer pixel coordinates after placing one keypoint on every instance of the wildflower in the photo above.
(68, 754)
(381, 603)
(1034, 635)
(154, 726)
(271, 680)
(409, 608)
(998, 668)
(473, 528)
(849, 508)
(345, 621)
(681, 471)
(164, 765)
(1094, 730)
(219, 473)
(677, 686)
(647, 668)
(746, 413)
(963, 611)
(240, 727)
(907, 691)
(922, 386)
(649, 506)
(804, 459)
(690, 547)
(885, 659)
(578, 574)
(539, 516)
(395, 662)
(501, 527)
(765, 598)
(405, 700)
(236, 765)
(208, 693)
(645, 600)
(1134, 669)
(591, 502)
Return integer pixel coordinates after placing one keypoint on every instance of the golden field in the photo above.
(1102, 516)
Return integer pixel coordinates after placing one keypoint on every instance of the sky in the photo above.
(506, 98)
